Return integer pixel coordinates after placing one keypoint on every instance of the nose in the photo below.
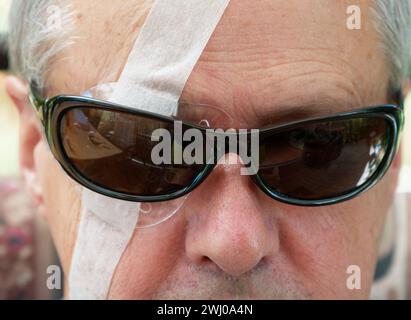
(227, 226)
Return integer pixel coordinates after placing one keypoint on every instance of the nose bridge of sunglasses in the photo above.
(230, 161)
(238, 148)
(224, 144)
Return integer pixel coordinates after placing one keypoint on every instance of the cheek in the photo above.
(149, 259)
(321, 243)
(62, 202)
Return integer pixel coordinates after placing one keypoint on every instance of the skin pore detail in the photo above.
(230, 240)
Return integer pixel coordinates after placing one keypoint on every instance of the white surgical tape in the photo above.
(167, 48)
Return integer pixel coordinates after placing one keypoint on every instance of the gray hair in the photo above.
(39, 31)
(34, 42)
(393, 22)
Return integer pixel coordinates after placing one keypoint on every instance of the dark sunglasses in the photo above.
(319, 161)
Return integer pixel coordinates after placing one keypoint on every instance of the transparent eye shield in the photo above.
(108, 148)
(103, 142)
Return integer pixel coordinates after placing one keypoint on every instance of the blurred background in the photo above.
(26, 249)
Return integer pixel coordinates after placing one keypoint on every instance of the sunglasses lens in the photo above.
(113, 149)
(325, 159)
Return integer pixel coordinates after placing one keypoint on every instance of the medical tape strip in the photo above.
(106, 226)
(166, 51)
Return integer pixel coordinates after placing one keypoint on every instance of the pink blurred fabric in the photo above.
(17, 245)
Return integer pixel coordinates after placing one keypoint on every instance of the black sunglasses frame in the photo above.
(51, 111)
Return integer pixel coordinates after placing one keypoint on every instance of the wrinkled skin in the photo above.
(268, 61)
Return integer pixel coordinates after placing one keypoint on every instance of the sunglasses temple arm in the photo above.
(37, 101)
(401, 101)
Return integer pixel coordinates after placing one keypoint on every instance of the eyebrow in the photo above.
(284, 113)
(293, 113)
(287, 114)
(304, 104)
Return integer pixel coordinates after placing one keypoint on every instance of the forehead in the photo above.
(263, 54)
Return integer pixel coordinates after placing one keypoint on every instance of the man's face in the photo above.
(276, 60)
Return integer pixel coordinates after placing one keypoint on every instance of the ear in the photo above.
(30, 137)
